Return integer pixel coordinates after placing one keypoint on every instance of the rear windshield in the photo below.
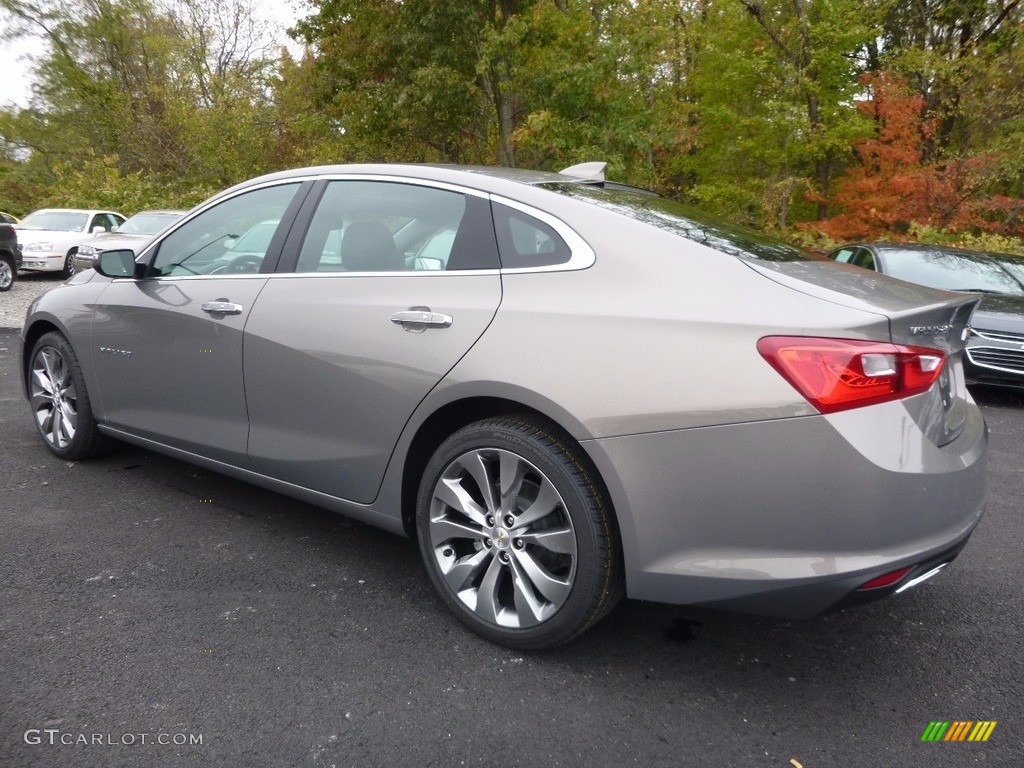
(684, 221)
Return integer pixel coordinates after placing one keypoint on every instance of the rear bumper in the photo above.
(787, 518)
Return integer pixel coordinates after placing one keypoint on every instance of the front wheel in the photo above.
(515, 534)
(69, 265)
(8, 272)
(60, 402)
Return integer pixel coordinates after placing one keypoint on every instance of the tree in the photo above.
(896, 184)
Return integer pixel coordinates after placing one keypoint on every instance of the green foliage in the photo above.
(975, 241)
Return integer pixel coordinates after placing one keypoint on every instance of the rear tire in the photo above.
(60, 401)
(515, 534)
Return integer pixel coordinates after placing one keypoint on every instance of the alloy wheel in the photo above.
(54, 397)
(502, 539)
(6, 274)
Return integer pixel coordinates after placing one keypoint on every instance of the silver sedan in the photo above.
(565, 390)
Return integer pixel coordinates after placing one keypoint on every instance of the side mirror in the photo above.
(120, 263)
(97, 229)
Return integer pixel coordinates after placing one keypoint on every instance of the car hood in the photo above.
(1000, 313)
(46, 235)
(112, 241)
(917, 314)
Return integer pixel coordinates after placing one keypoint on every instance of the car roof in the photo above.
(483, 178)
(75, 210)
(928, 248)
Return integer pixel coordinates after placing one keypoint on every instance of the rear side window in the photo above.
(526, 242)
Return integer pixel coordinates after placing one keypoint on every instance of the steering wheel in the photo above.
(244, 264)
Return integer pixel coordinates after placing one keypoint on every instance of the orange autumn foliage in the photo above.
(893, 187)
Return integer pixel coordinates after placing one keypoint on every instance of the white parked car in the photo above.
(49, 237)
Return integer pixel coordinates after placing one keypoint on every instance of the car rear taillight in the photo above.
(837, 374)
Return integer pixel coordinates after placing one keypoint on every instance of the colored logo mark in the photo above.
(958, 730)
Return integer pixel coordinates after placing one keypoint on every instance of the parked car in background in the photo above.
(10, 256)
(995, 347)
(584, 392)
(50, 237)
(6, 218)
(133, 234)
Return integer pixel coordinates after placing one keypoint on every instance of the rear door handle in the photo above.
(418, 318)
(222, 308)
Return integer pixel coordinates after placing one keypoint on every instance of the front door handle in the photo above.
(222, 307)
(420, 318)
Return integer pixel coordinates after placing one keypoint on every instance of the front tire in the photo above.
(8, 272)
(69, 269)
(515, 534)
(60, 401)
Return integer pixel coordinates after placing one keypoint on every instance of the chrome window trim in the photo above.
(581, 256)
(298, 180)
(444, 185)
(325, 275)
(417, 273)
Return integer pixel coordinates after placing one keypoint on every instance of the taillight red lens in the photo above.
(837, 374)
(886, 580)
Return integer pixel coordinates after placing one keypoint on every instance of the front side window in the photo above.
(230, 238)
(383, 226)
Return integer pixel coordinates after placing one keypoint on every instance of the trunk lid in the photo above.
(917, 315)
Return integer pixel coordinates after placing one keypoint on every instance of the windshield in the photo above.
(60, 221)
(951, 271)
(257, 239)
(147, 223)
(684, 221)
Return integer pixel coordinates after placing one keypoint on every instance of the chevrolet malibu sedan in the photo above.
(564, 391)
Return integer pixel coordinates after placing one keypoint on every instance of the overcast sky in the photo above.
(16, 57)
(14, 71)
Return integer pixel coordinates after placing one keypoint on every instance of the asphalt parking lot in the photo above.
(164, 615)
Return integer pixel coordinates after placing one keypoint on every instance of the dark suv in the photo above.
(10, 256)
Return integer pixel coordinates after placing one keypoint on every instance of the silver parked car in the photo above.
(132, 234)
(564, 390)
